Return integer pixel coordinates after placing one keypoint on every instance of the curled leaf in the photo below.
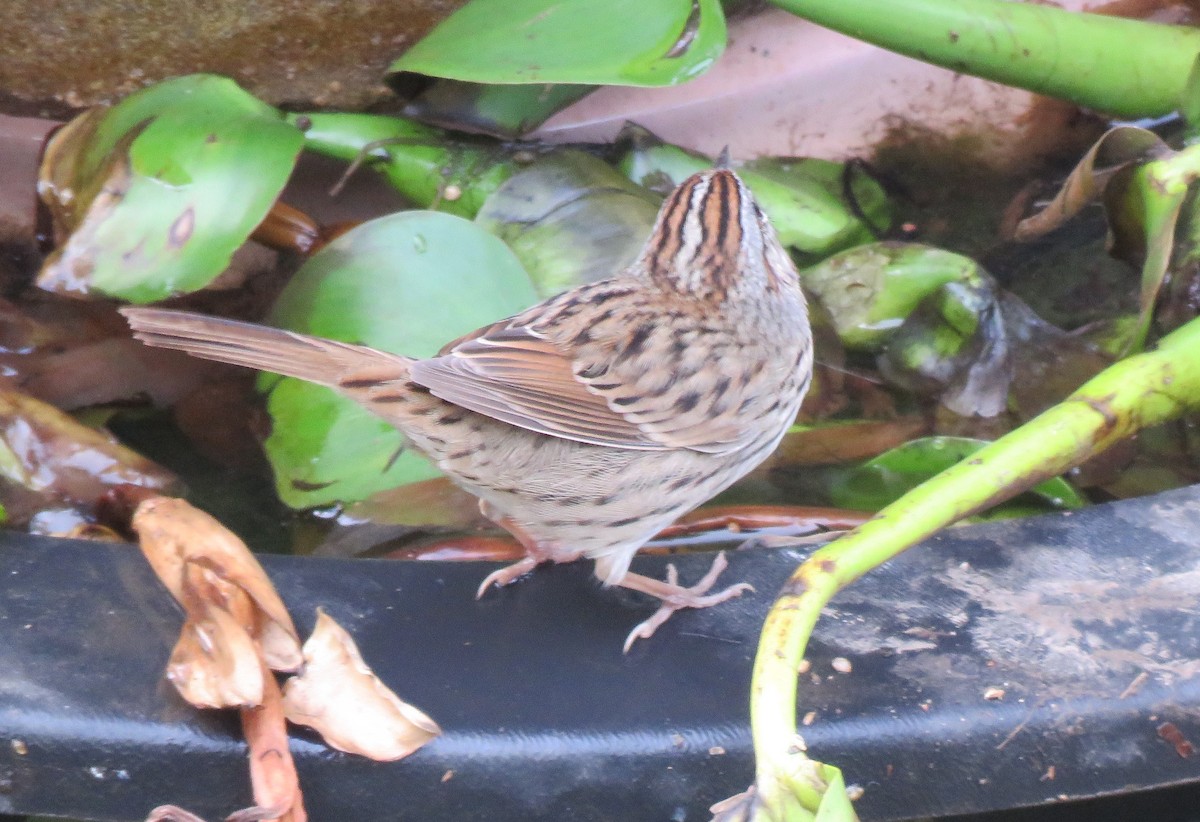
(1118, 148)
(622, 42)
(340, 697)
(174, 535)
(152, 196)
(1143, 184)
(215, 663)
(870, 290)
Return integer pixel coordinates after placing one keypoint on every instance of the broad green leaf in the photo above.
(407, 283)
(621, 42)
(884, 479)
(570, 218)
(152, 197)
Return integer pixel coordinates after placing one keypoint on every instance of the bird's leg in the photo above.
(535, 554)
(674, 596)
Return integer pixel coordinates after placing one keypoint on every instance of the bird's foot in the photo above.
(674, 596)
(506, 575)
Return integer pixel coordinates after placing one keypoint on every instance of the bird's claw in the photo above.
(674, 597)
(506, 575)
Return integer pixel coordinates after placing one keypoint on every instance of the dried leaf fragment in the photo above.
(343, 700)
(215, 663)
(173, 535)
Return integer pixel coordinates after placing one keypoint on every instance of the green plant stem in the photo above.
(1140, 391)
(1129, 68)
(420, 162)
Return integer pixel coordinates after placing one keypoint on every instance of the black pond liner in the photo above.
(1086, 621)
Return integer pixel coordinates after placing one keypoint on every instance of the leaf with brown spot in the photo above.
(146, 203)
(343, 700)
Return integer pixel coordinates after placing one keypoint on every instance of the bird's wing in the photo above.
(609, 382)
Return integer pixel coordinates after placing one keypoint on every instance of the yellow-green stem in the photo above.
(1142, 390)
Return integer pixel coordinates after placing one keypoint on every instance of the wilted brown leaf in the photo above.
(215, 663)
(343, 700)
(1117, 149)
(57, 458)
(173, 535)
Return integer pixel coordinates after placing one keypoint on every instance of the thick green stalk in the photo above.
(1140, 391)
(1129, 68)
(426, 165)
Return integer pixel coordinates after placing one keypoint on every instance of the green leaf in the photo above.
(152, 197)
(886, 478)
(570, 218)
(804, 197)
(408, 283)
(870, 290)
(621, 42)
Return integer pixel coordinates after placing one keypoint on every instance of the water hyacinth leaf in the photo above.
(426, 165)
(954, 344)
(870, 290)
(507, 112)
(804, 198)
(853, 203)
(570, 218)
(408, 283)
(886, 478)
(1143, 184)
(152, 197)
(624, 42)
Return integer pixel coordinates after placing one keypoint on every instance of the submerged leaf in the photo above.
(407, 283)
(570, 218)
(152, 197)
(504, 111)
(622, 42)
(342, 699)
(886, 478)
(48, 457)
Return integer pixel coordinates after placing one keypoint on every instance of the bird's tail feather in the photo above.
(324, 362)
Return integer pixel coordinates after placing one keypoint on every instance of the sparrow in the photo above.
(594, 419)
